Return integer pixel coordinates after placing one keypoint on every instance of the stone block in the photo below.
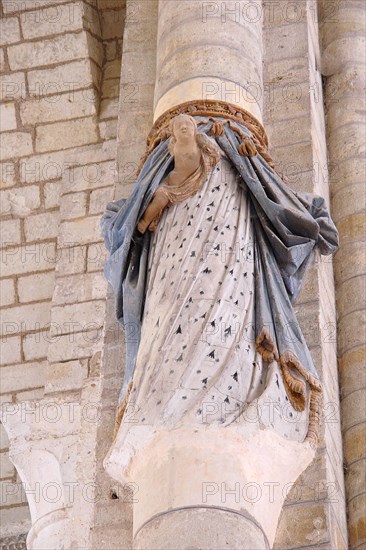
(66, 376)
(65, 47)
(349, 296)
(302, 525)
(112, 22)
(35, 345)
(36, 287)
(25, 318)
(8, 117)
(12, 86)
(356, 477)
(63, 78)
(4, 440)
(351, 331)
(68, 105)
(108, 129)
(42, 226)
(30, 395)
(110, 88)
(3, 64)
(23, 376)
(112, 69)
(357, 522)
(52, 192)
(354, 443)
(20, 201)
(73, 205)
(349, 261)
(99, 199)
(9, 30)
(58, 164)
(353, 409)
(77, 346)
(16, 144)
(352, 227)
(80, 288)
(95, 49)
(111, 50)
(15, 6)
(351, 370)
(10, 231)
(10, 351)
(7, 292)
(62, 135)
(82, 231)
(6, 467)
(109, 108)
(19, 260)
(71, 259)
(52, 20)
(97, 255)
(344, 201)
(72, 318)
(90, 176)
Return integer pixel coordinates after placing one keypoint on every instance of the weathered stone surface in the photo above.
(18, 260)
(351, 370)
(42, 285)
(66, 47)
(62, 135)
(8, 117)
(42, 226)
(354, 443)
(80, 288)
(10, 348)
(66, 376)
(10, 231)
(9, 31)
(26, 317)
(12, 86)
(305, 524)
(7, 292)
(35, 346)
(82, 231)
(51, 20)
(70, 105)
(16, 144)
(62, 78)
(23, 376)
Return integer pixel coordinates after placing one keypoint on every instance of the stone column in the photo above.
(343, 66)
(216, 488)
(209, 50)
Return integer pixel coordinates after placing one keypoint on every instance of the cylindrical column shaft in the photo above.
(343, 65)
(209, 50)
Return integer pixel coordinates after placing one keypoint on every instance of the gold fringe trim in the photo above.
(295, 388)
(266, 346)
(121, 411)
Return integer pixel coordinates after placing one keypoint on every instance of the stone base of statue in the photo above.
(209, 488)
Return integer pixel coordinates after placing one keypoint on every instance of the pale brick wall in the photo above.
(60, 65)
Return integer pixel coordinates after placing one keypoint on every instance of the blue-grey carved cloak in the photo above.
(288, 226)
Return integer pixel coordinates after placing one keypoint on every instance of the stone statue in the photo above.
(210, 286)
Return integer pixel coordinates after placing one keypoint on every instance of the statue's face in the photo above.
(184, 128)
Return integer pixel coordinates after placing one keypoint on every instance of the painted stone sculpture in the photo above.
(207, 257)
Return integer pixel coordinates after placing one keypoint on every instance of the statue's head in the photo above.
(183, 128)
